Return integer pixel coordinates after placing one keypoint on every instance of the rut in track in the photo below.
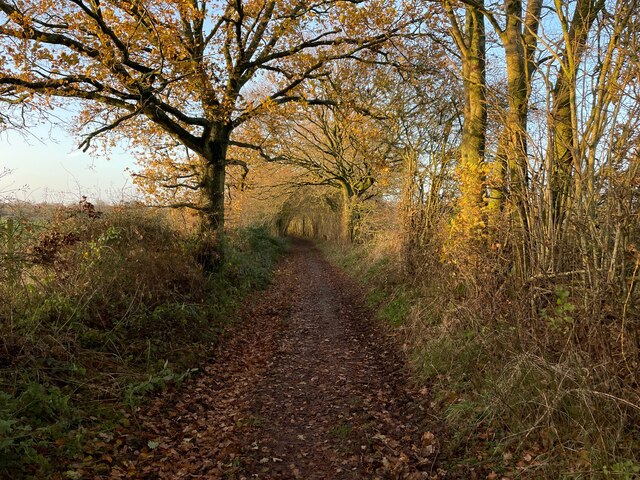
(307, 387)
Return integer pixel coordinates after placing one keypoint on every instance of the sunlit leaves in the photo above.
(175, 78)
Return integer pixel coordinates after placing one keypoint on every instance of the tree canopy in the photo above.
(182, 73)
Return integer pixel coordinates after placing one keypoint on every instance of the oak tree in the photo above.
(184, 73)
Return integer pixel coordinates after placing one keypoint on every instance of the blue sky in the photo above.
(47, 166)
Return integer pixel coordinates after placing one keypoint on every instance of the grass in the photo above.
(516, 394)
(98, 314)
(386, 295)
(341, 431)
(395, 310)
(253, 421)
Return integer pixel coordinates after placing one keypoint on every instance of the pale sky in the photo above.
(47, 166)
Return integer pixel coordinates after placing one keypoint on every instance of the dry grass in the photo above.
(530, 380)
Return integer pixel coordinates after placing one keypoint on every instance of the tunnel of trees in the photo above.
(491, 148)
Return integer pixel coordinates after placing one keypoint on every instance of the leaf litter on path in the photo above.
(307, 387)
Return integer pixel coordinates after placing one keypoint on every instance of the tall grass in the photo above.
(511, 368)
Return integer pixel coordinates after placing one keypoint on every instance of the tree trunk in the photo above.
(211, 254)
(519, 48)
(563, 146)
(561, 156)
(511, 158)
(471, 218)
(348, 223)
(408, 210)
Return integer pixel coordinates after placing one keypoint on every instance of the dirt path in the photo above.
(307, 388)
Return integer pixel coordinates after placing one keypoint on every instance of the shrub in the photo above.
(95, 294)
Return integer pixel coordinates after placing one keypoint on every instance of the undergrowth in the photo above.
(518, 390)
(98, 312)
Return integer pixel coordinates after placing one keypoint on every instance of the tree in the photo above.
(349, 144)
(563, 151)
(184, 73)
(334, 147)
(519, 37)
(510, 174)
(470, 39)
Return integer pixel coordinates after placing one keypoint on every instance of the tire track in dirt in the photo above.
(307, 387)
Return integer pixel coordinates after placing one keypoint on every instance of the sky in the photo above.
(47, 166)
